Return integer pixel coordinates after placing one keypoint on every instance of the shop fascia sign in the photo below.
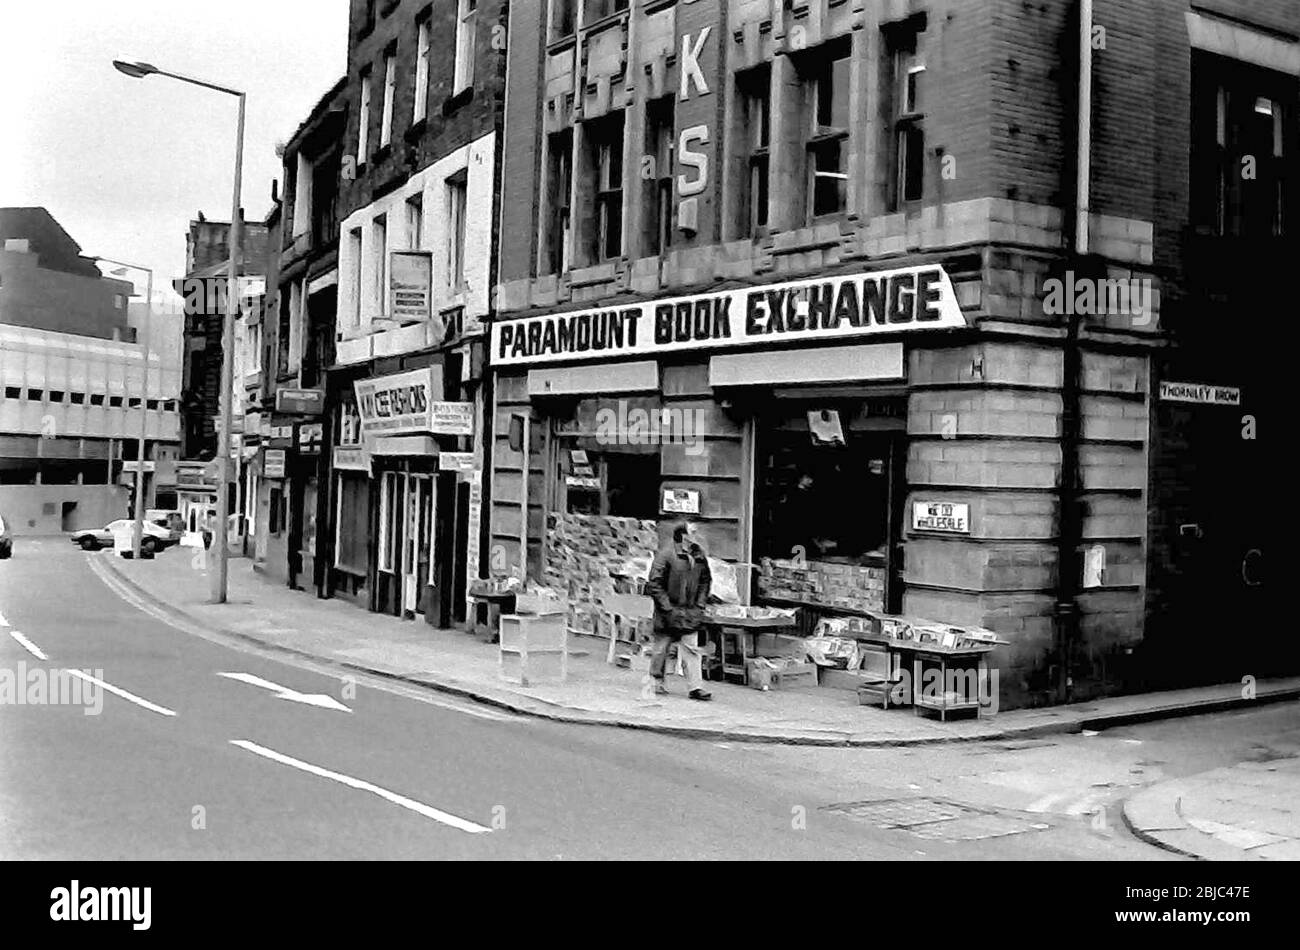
(1201, 393)
(404, 404)
(300, 402)
(844, 307)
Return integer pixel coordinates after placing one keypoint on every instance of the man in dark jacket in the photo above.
(679, 585)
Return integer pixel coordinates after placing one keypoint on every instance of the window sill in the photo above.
(455, 102)
(416, 130)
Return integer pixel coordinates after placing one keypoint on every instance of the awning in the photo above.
(639, 377)
(832, 364)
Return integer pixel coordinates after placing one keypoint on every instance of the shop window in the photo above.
(1243, 147)
(908, 128)
(756, 113)
(828, 147)
(390, 520)
(828, 501)
(628, 486)
(606, 137)
(658, 187)
(558, 236)
(352, 524)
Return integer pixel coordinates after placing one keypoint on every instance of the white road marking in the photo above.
(4, 622)
(129, 697)
(418, 807)
(1046, 802)
(26, 644)
(283, 692)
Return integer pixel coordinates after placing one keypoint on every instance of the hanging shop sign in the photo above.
(680, 501)
(300, 402)
(581, 481)
(831, 308)
(403, 402)
(451, 418)
(351, 459)
(273, 464)
(456, 461)
(411, 285)
(941, 516)
(1200, 392)
(311, 437)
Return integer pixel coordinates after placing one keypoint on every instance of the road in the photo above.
(208, 750)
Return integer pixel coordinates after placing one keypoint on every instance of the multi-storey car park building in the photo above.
(914, 305)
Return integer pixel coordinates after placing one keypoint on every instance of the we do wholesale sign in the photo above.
(941, 516)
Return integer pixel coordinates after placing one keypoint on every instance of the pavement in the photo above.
(267, 614)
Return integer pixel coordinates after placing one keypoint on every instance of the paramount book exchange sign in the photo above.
(848, 306)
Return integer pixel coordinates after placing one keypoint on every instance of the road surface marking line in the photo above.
(4, 622)
(320, 700)
(417, 807)
(27, 645)
(129, 697)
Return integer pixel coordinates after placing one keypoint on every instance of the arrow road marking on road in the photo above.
(284, 692)
(129, 697)
(26, 644)
(418, 807)
(3, 621)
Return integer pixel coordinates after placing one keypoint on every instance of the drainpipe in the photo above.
(1071, 515)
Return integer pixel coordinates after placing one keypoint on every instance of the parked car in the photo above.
(6, 540)
(155, 538)
(169, 520)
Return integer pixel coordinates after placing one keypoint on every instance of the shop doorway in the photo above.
(417, 543)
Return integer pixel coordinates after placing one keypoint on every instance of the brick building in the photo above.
(923, 318)
(404, 369)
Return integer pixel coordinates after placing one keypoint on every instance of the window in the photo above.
(363, 141)
(756, 113)
(909, 135)
(115, 402)
(380, 251)
(558, 236)
(456, 198)
(607, 166)
(422, 71)
(658, 193)
(358, 294)
(38, 395)
(119, 301)
(133, 402)
(78, 399)
(629, 486)
(598, 9)
(96, 399)
(352, 523)
(563, 18)
(368, 17)
(415, 222)
(1243, 147)
(152, 405)
(56, 396)
(390, 521)
(828, 177)
(465, 34)
(390, 82)
(275, 523)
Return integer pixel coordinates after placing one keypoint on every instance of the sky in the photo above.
(125, 164)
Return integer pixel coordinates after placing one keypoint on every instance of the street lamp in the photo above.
(137, 530)
(218, 576)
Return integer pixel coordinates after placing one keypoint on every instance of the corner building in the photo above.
(815, 275)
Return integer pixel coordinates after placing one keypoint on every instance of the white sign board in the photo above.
(351, 459)
(456, 461)
(941, 516)
(1200, 392)
(679, 501)
(576, 481)
(273, 465)
(451, 418)
(391, 405)
(411, 284)
(843, 307)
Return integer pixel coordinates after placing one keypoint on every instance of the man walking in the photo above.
(679, 585)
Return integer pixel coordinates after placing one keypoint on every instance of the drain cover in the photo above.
(935, 819)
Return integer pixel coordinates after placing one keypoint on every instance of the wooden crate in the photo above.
(534, 649)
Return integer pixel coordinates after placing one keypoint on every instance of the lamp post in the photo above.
(137, 530)
(218, 576)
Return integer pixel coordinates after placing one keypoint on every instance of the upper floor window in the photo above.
(596, 9)
(390, 83)
(557, 234)
(422, 70)
(564, 17)
(658, 187)
(827, 144)
(363, 139)
(606, 137)
(457, 197)
(908, 144)
(1244, 143)
(756, 114)
(368, 16)
(415, 222)
(466, 20)
(381, 264)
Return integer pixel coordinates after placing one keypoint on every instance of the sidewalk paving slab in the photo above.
(266, 613)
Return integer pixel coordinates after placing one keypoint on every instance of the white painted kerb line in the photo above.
(26, 644)
(130, 698)
(418, 807)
